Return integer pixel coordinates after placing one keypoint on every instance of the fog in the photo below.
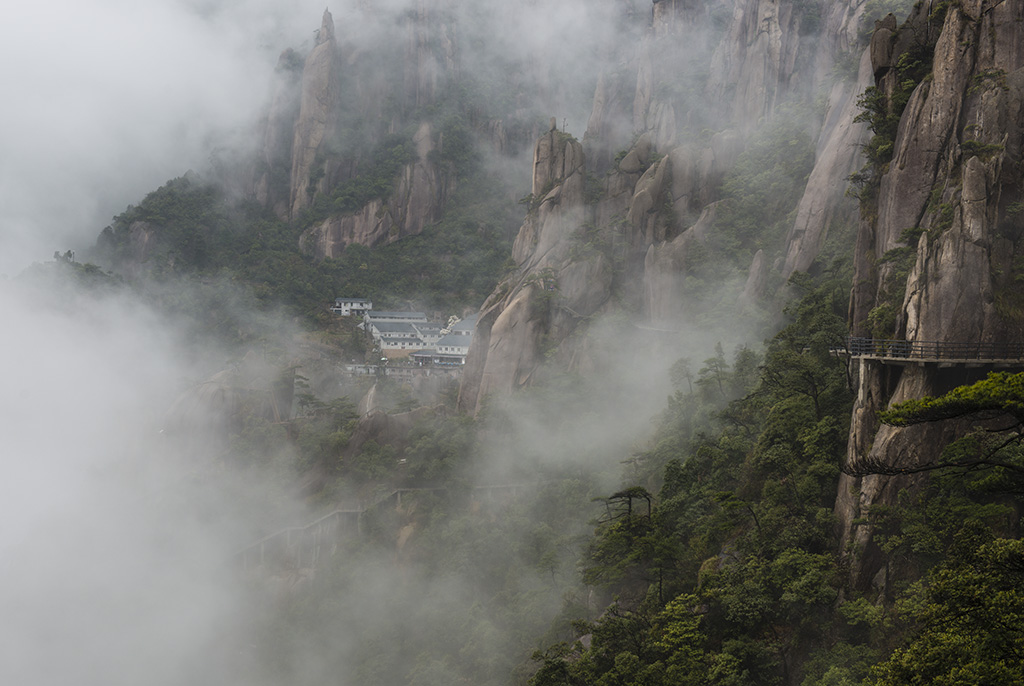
(107, 99)
(117, 539)
(114, 558)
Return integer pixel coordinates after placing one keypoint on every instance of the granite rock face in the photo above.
(945, 205)
(623, 218)
(420, 194)
(271, 173)
(824, 202)
(385, 76)
(725, 68)
(317, 109)
(539, 304)
(758, 61)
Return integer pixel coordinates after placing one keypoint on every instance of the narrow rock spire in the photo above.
(326, 32)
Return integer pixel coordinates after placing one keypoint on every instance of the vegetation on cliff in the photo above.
(732, 574)
(761, 191)
(191, 228)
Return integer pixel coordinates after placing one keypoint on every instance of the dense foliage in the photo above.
(1002, 393)
(761, 191)
(725, 576)
(969, 616)
(760, 194)
(731, 574)
(189, 228)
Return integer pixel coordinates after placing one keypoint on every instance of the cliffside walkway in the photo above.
(303, 546)
(941, 353)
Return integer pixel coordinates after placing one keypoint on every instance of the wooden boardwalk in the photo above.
(940, 353)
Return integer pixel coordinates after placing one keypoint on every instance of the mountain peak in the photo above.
(326, 32)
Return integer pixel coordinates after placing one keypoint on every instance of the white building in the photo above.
(400, 334)
(464, 326)
(454, 344)
(430, 333)
(349, 306)
(381, 330)
(372, 317)
(400, 343)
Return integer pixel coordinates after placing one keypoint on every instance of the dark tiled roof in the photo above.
(396, 315)
(394, 327)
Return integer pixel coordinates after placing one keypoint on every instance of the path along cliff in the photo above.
(941, 236)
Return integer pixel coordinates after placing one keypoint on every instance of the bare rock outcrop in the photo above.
(609, 128)
(824, 205)
(665, 270)
(430, 54)
(757, 277)
(271, 170)
(420, 194)
(837, 156)
(667, 125)
(538, 306)
(336, 113)
(755, 65)
(768, 54)
(943, 209)
(697, 171)
(317, 109)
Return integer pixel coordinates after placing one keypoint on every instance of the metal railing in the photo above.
(301, 545)
(934, 350)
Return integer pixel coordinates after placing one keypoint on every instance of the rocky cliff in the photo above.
(627, 231)
(420, 193)
(822, 206)
(688, 82)
(389, 78)
(317, 113)
(940, 245)
(540, 303)
(328, 112)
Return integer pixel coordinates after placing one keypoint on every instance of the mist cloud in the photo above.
(115, 547)
(107, 99)
(110, 575)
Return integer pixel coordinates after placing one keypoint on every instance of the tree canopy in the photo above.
(1001, 394)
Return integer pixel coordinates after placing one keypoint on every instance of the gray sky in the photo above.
(107, 99)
